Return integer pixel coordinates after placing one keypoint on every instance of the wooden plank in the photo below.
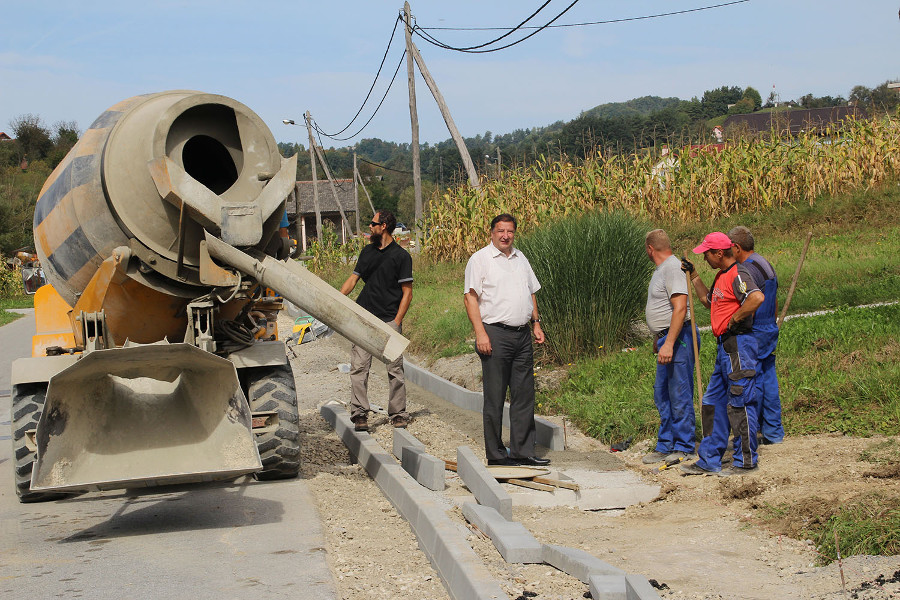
(527, 483)
(557, 483)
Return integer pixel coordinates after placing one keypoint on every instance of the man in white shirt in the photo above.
(500, 302)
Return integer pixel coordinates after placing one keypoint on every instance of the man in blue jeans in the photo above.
(670, 323)
(765, 329)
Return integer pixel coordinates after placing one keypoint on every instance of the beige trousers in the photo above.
(360, 363)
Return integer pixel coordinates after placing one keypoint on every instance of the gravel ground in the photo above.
(699, 540)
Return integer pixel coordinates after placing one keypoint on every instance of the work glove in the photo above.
(687, 266)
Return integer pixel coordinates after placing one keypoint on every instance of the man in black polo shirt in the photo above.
(386, 269)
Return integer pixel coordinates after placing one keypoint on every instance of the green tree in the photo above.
(860, 95)
(741, 107)
(32, 136)
(715, 102)
(752, 95)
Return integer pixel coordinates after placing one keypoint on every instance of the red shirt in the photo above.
(730, 288)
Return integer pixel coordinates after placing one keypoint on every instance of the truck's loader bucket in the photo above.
(143, 416)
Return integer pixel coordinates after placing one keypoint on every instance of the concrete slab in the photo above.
(577, 563)
(609, 490)
(514, 542)
(547, 434)
(443, 541)
(481, 483)
(428, 470)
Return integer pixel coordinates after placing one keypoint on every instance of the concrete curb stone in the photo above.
(428, 470)
(402, 439)
(577, 563)
(481, 483)
(514, 542)
(461, 570)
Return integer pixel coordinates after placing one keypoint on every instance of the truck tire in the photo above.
(272, 389)
(27, 404)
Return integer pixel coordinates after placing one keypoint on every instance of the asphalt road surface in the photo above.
(219, 541)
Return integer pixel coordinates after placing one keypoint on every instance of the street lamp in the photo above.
(288, 121)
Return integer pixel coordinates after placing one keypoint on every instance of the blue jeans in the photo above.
(673, 394)
(769, 400)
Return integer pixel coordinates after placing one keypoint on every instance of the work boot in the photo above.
(695, 469)
(360, 423)
(400, 422)
(735, 470)
(654, 457)
(677, 457)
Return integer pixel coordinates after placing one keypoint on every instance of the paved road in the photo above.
(242, 540)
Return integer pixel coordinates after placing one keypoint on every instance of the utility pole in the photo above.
(355, 194)
(414, 121)
(344, 222)
(368, 197)
(499, 162)
(445, 112)
(312, 162)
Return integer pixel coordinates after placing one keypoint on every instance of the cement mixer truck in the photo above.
(155, 359)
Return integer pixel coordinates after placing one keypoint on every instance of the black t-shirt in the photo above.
(383, 270)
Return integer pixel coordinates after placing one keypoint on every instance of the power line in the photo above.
(341, 139)
(511, 31)
(372, 87)
(622, 20)
(358, 157)
(434, 41)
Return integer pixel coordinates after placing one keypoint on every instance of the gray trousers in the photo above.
(510, 366)
(360, 363)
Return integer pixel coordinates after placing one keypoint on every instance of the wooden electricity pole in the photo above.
(445, 111)
(345, 223)
(355, 194)
(312, 162)
(414, 120)
(368, 197)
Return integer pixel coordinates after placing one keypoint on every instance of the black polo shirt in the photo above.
(383, 270)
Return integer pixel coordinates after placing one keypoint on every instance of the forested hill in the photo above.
(637, 107)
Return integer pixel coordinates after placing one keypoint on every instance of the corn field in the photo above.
(747, 175)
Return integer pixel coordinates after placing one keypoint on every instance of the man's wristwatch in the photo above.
(538, 320)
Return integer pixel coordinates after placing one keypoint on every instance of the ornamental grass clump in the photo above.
(594, 272)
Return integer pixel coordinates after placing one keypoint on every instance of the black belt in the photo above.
(664, 332)
(509, 327)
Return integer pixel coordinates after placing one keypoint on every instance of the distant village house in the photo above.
(302, 212)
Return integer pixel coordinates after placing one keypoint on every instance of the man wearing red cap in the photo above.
(729, 404)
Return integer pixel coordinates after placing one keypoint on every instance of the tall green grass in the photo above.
(594, 272)
(838, 372)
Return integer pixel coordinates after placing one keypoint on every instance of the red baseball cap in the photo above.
(714, 241)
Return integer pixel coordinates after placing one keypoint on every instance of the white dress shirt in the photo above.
(503, 284)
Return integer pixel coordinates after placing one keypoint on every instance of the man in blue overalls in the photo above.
(729, 404)
(765, 330)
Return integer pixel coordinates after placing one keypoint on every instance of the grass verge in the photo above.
(22, 301)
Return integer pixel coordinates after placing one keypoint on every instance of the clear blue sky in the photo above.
(70, 61)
